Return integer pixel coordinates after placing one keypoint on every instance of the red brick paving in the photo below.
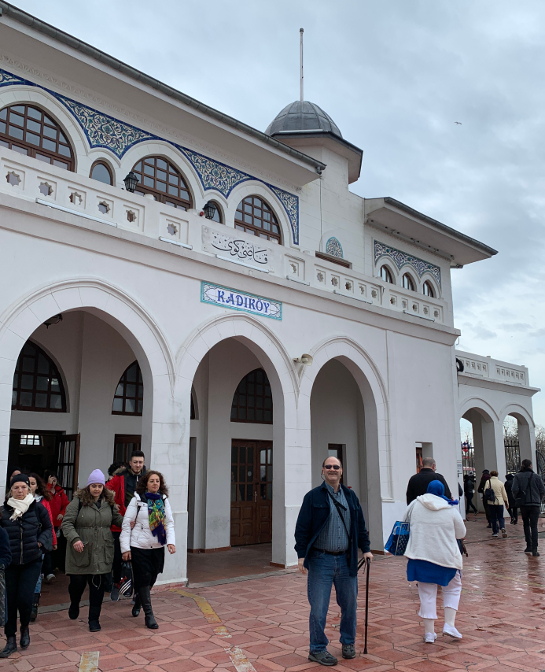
(501, 618)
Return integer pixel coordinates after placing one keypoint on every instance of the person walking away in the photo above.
(469, 492)
(329, 530)
(5, 560)
(418, 484)
(148, 526)
(513, 511)
(528, 491)
(496, 508)
(90, 545)
(484, 478)
(123, 484)
(41, 494)
(29, 530)
(58, 503)
(434, 557)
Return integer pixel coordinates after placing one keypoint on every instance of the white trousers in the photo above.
(428, 597)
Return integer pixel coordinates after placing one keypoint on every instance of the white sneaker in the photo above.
(430, 637)
(451, 630)
(50, 578)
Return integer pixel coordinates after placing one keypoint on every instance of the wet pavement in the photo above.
(261, 624)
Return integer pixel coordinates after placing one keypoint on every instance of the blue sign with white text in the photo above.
(247, 303)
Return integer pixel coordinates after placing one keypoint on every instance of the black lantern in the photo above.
(130, 182)
(210, 210)
(53, 320)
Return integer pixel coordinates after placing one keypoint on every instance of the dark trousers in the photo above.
(469, 502)
(486, 510)
(116, 565)
(20, 585)
(46, 566)
(496, 517)
(530, 516)
(58, 556)
(96, 584)
(513, 512)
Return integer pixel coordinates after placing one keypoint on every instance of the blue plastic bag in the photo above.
(399, 538)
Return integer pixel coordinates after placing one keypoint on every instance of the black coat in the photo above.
(509, 490)
(530, 483)
(26, 531)
(5, 549)
(312, 519)
(418, 484)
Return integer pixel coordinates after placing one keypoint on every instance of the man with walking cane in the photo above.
(329, 530)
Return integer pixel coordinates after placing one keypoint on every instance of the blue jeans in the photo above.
(496, 517)
(323, 572)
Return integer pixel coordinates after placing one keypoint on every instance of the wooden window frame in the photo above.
(162, 196)
(408, 277)
(253, 228)
(126, 440)
(431, 292)
(239, 404)
(101, 162)
(139, 383)
(53, 373)
(333, 260)
(390, 277)
(42, 118)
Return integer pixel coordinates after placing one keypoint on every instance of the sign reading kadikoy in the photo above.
(226, 297)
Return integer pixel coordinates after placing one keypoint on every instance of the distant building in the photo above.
(174, 318)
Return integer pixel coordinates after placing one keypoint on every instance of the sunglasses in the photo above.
(332, 466)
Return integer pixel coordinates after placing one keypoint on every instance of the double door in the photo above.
(251, 492)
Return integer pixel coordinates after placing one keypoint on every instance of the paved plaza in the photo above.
(262, 623)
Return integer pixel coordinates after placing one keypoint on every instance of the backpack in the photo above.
(489, 494)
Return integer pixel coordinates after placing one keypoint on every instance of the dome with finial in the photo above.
(303, 117)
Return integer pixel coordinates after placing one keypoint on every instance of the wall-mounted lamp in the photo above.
(210, 210)
(53, 320)
(130, 182)
(305, 360)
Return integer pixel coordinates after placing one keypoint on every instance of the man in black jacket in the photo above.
(330, 528)
(418, 484)
(528, 491)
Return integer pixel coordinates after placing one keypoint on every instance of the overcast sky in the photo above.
(395, 75)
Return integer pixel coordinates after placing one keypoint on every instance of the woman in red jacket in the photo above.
(58, 503)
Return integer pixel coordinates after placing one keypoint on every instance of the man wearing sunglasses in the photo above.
(329, 530)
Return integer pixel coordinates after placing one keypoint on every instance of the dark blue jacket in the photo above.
(5, 550)
(313, 516)
(26, 531)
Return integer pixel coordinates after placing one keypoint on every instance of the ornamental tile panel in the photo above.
(334, 248)
(291, 206)
(401, 259)
(213, 174)
(7, 78)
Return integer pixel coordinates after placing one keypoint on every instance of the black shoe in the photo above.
(145, 600)
(24, 642)
(527, 549)
(489, 525)
(94, 626)
(114, 595)
(35, 604)
(324, 658)
(11, 647)
(535, 554)
(349, 651)
(73, 611)
(137, 607)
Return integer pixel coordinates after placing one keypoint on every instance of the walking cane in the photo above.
(368, 565)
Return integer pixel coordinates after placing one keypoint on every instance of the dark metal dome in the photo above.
(305, 117)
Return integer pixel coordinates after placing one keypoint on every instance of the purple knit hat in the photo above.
(96, 477)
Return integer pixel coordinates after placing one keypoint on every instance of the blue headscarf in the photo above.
(438, 489)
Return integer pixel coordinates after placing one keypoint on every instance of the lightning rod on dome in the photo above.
(301, 31)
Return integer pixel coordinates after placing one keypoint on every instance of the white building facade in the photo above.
(135, 320)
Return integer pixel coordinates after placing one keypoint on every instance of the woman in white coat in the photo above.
(148, 526)
(434, 556)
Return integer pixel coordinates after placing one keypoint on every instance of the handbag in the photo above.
(490, 495)
(126, 587)
(399, 538)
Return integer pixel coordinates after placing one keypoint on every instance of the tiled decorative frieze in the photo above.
(401, 259)
(334, 248)
(109, 133)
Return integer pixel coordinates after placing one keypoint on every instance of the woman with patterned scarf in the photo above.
(148, 526)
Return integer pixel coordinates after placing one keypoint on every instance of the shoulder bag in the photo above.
(399, 538)
(490, 495)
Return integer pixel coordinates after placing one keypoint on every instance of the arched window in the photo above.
(160, 178)
(252, 401)
(28, 130)
(427, 290)
(102, 173)
(253, 215)
(37, 385)
(408, 282)
(386, 275)
(129, 393)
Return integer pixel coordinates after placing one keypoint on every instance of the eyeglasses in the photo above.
(332, 466)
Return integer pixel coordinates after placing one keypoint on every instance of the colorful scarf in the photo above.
(156, 512)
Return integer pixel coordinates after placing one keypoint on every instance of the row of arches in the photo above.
(29, 130)
(408, 281)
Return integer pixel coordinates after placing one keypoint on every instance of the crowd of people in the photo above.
(126, 519)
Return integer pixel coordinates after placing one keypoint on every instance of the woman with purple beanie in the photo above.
(90, 545)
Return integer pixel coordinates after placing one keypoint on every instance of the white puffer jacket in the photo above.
(140, 536)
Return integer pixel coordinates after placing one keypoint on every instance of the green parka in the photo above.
(90, 524)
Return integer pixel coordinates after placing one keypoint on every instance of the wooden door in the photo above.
(69, 463)
(251, 492)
